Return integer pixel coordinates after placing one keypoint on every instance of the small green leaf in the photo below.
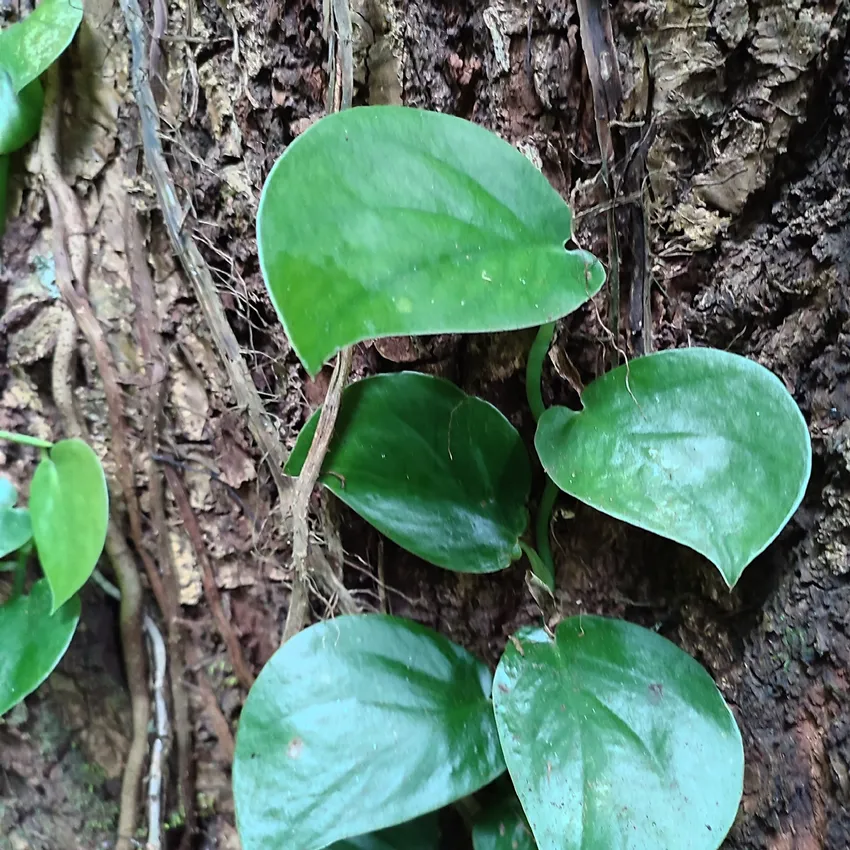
(32, 642)
(700, 446)
(441, 473)
(69, 508)
(20, 113)
(357, 724)
(29, 47)
(15, 527)
(420, 834)
(614, 737)
(385, 220)
(502, 826)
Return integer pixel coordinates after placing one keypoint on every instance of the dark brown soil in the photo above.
(760, 266)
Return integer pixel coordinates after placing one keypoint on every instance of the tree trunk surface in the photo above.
(739, 114)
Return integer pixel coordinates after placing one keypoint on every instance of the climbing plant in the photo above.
(383, 221)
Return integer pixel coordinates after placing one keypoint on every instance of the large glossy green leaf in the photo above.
(501, 825)
(20, 113)
(615, 738)
(701, 446)
(32, 641)
(69, 509)
(420, 834)
(15, 527)
(387, 220)
(441, 473)
(358, 724)
(29, 47)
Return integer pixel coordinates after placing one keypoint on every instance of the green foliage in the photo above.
(614, 737)
(700, 446)
(385, 220)
(501, 825)
(420, 834)
(27, 49)
(69, 507)
(66, 520)
(15, 526)
(32, 641)
(441, 473)
(382, 221)
(357, 724)
(20, 113)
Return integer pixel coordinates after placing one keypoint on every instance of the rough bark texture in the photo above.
(749, 246)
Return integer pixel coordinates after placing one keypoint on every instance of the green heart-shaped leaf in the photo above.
(29, 47)
(32, 642)
(15, 527)
(69, 509)
(385, 220)
(441, 473)
(614, 737)
(357, 724)
(501, 825)
(700, 446)
(20, 114)
(420, 834)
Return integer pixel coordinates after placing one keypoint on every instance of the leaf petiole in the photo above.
(534, 368)
(544, 518)
(544, 572)
(542, 564)
(20, 568)
(25, 440)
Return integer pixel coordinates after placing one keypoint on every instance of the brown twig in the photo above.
(130, 617)
(329, 523)
(217, 720)
(342, 19)
(296, 617)
(157, 364)
(237, 659)
(160, 26)
(71, 255)
(207, 296)
(383, 601)
(193, 263)
(600, 57)
(67, 217)
(159, 749)
(197, 467)
(297, 614)
(637, 217)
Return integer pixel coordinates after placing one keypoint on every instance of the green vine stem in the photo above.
(24, 440)
(20, 577)
(534, 368)
(542, 564)
(544, 518)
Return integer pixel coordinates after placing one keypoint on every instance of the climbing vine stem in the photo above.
(542, 564)
(534, 368)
